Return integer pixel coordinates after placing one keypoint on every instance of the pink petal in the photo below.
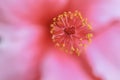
(33, 11)
(59, 66)
(103, 53)
(20, 52)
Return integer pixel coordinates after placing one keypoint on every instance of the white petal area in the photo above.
(100, 12)
(104, 54)
(19, 52)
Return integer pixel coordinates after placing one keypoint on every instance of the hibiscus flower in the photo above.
(28, 53)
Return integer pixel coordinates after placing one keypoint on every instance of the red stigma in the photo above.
(71, 32)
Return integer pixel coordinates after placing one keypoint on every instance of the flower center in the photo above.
(70, 30)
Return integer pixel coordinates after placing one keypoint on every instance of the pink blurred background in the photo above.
(27, 52)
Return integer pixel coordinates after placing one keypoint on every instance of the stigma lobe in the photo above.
(70, 30)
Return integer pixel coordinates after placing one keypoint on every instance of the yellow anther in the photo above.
(79, 15)
(57, 44)
(51, 25)
(54, 23)
(89, 26)
(77, 50)
(81, 39)
(75, 14)
(84, 21)
(69, 12)
(89, 35)
(80, 44)
(83, 24)
(54, 19)
(63, 45)
(76, 11)
(65, 13)
(53, 37)
(72, 48)
(89, 40)
(60, 16)
(52, 31)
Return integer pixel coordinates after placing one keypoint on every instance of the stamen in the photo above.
(73, 30)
